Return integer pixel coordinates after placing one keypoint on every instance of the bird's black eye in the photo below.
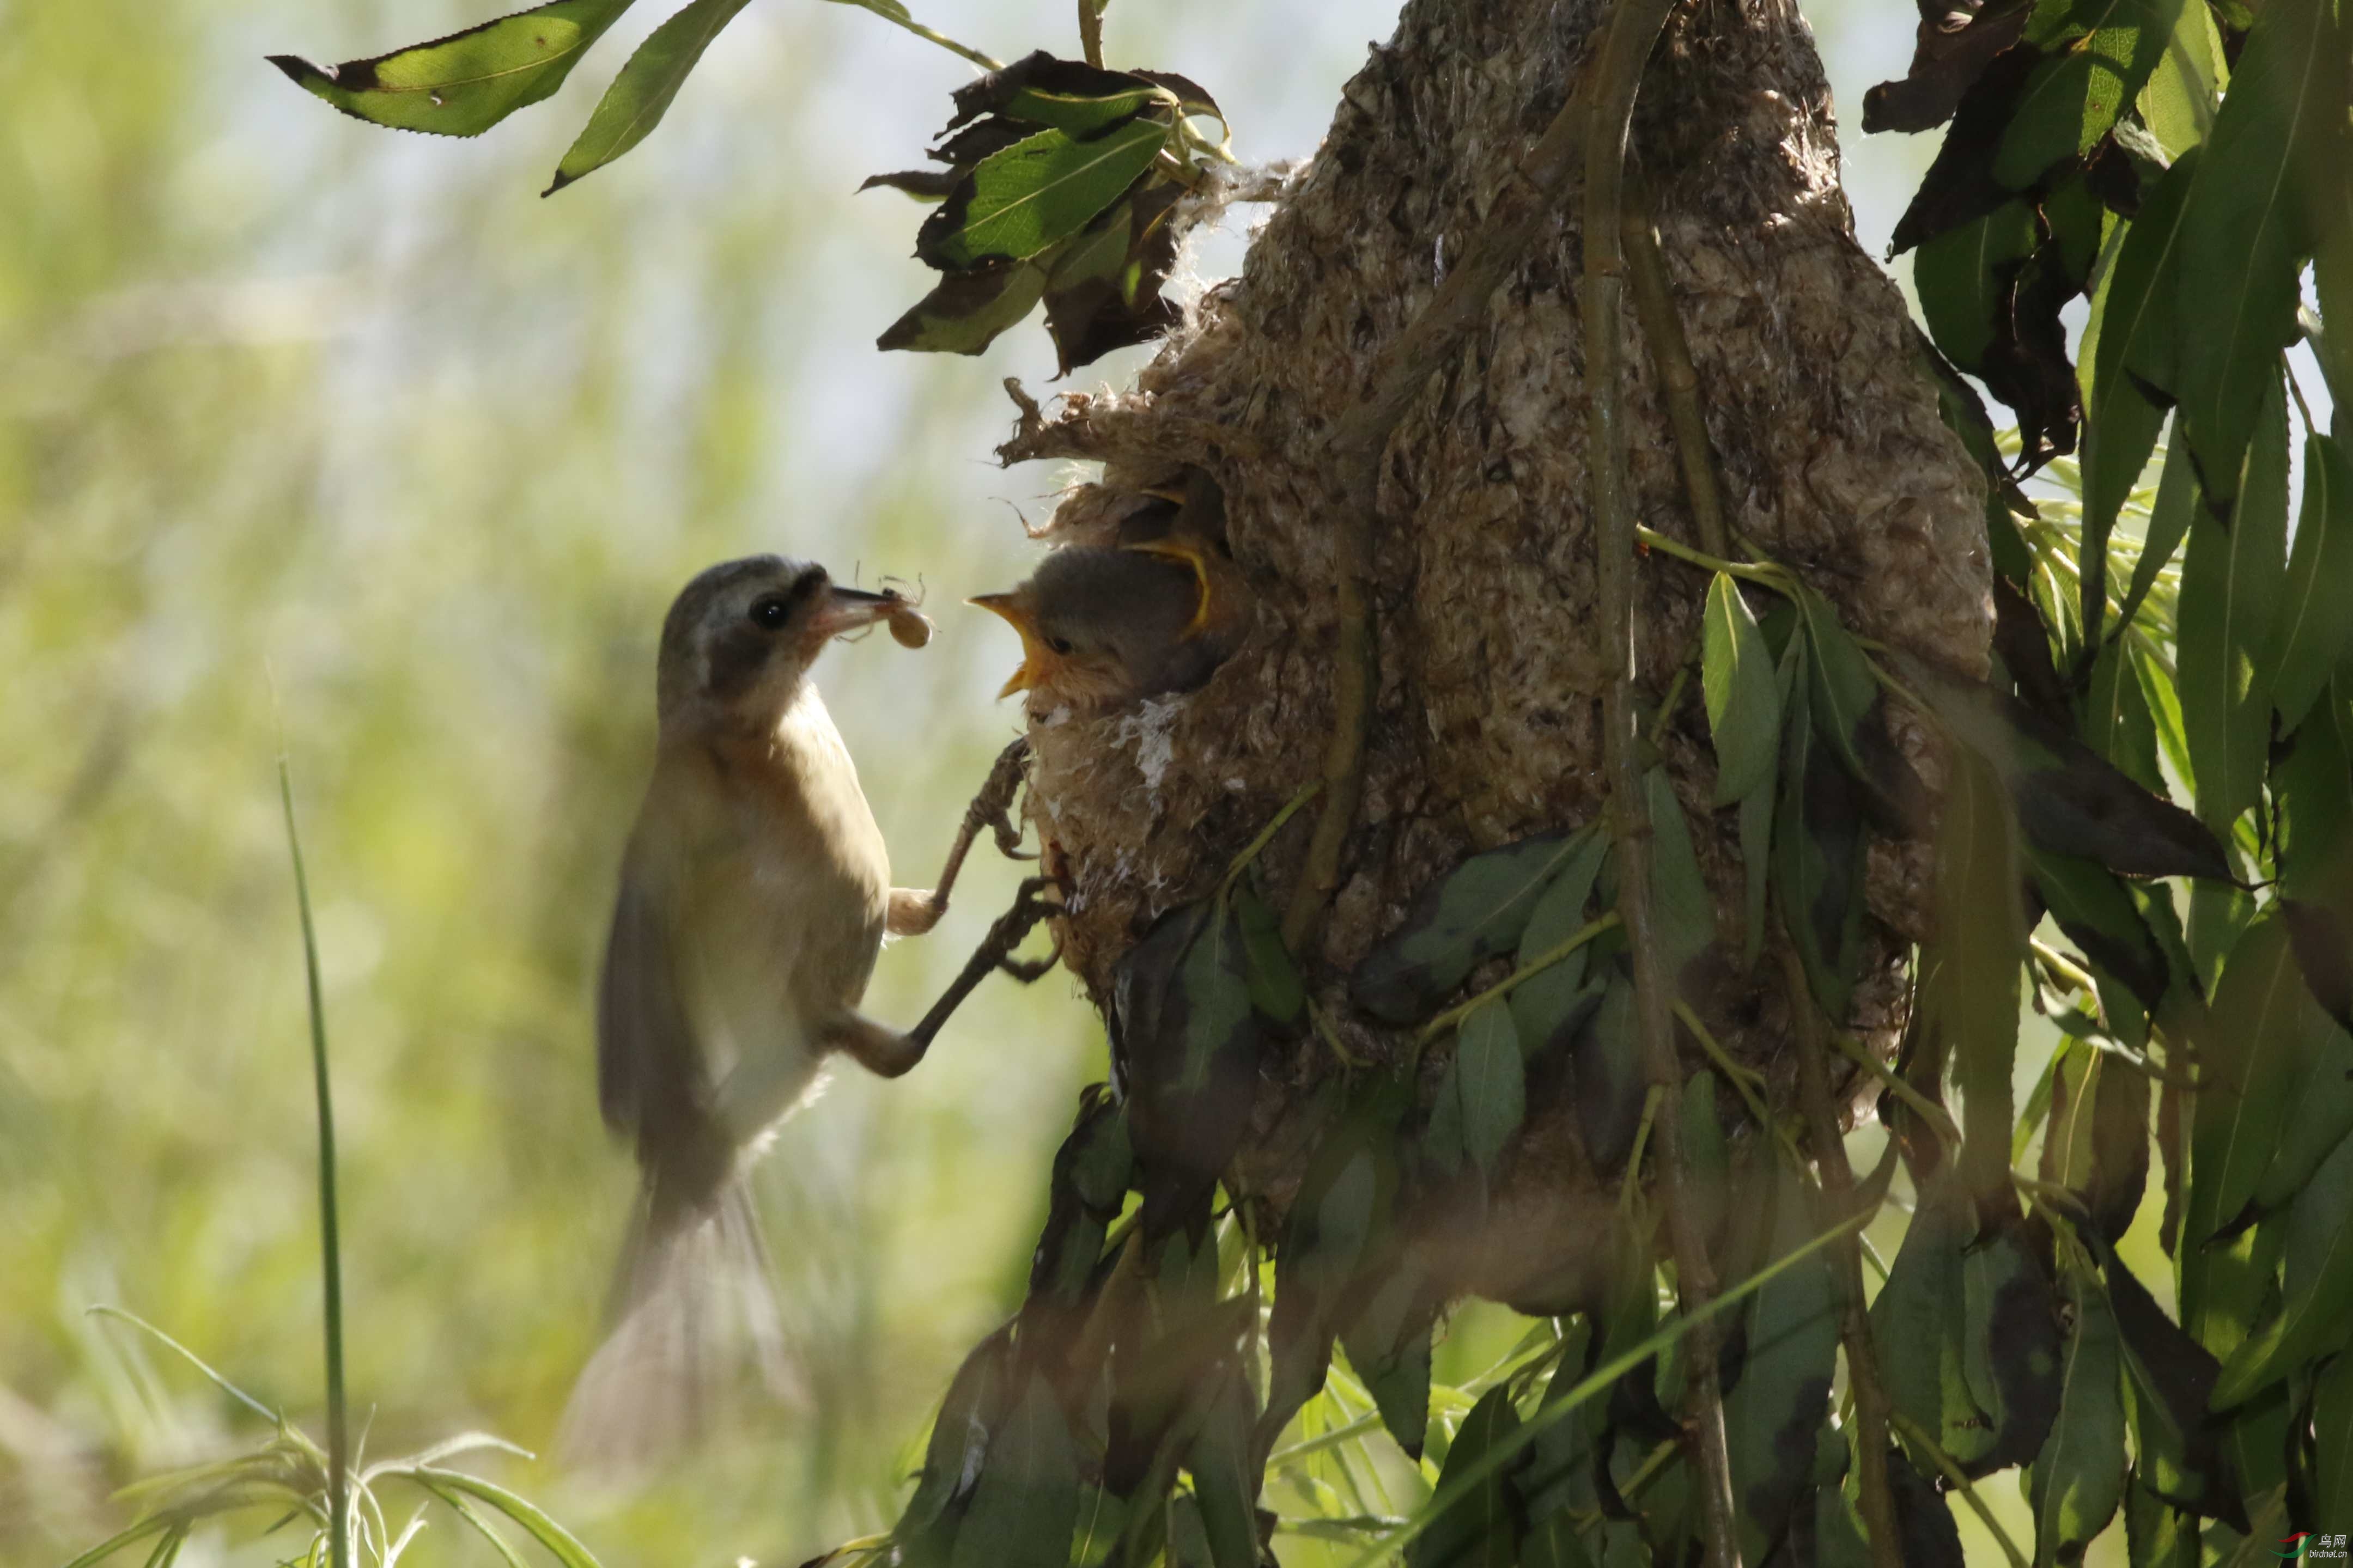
(771, 612)
(1060, 645)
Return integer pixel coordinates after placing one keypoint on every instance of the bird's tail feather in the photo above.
(692, 1311)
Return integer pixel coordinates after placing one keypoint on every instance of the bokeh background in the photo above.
(322, 439)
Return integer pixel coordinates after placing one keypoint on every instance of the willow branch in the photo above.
(1662, 329)
(1358, 441)
(1871, 1403)
(1634, 28)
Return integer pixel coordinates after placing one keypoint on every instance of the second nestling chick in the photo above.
(1105, 626)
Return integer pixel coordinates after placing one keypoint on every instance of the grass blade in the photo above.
(331, 1266)
(194, 1360)
(560, 1543)
(114, 1544)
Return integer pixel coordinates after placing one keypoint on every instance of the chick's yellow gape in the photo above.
(754, 896)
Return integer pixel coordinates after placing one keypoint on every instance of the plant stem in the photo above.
(1871, 1403)
(1091, 30)
(1534, 966)
(331, 1263)
(1662, 329)
(1633, 31)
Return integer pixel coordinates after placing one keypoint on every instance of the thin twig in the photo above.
(1634, 28)
(1662, 329)
(1399, 373)
(1091, 30)
(1871, 1403)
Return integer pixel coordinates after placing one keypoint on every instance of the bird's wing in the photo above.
(649, 1074)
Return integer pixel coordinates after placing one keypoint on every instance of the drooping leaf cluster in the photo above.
(1057, 183)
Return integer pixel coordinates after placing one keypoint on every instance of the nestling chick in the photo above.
(754, 896)
(1105, 626)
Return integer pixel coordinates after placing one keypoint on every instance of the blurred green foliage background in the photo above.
(318, 437)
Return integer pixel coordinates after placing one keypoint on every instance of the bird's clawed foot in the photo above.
(914, 912)
(1030, 905)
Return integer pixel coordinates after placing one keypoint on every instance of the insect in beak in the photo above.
(849, 610)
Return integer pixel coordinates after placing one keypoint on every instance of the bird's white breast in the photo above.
(783, 915)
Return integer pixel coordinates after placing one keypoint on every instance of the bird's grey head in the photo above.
(740, 637)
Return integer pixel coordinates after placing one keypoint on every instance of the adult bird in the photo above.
(755, 895)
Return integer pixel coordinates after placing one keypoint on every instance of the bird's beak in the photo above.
(848, 609)
(1036, 658)
(1189, 553)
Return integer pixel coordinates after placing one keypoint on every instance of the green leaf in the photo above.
(2092, 907)
(1080, 107)
(2010, 1345)
(1707, 1160)
(1966, 276)
(1105, 291)
(2315, 613)
(1026, 1502)
(2332, 1430)
(2244, 239)
(1225, 1485)
(463, 84)
(1341, 1213)
(559, 1542)
(1610, 1085)
(975, 1404)
(2096, 1144)
(1818, 853)
(1771, 1414)
(1389, 1344)
(2168, 1377)
(2114, 720)
(2157, 1534)
(2075, 97)
(2134, 350)
(2319, 1117)
(1843, 697)
(1185, 1042)
(2078, 1478)
(2317, 1314)
(1275, 988)
(1041, 189)
(1552, 1005)
(641, 94)
(1480, 1528)
(2230, 586)
(1472, 913)
(1915, 1327)
(1067, 95)
(2252, 1053)
(1744, 701)
(1757, 869)
(2182, 94)
(1488, 1084)
(965, 314)
(1682, 913)
(2068, 800)
(1085, 1195)
(1972, 968)
(2169, 519)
